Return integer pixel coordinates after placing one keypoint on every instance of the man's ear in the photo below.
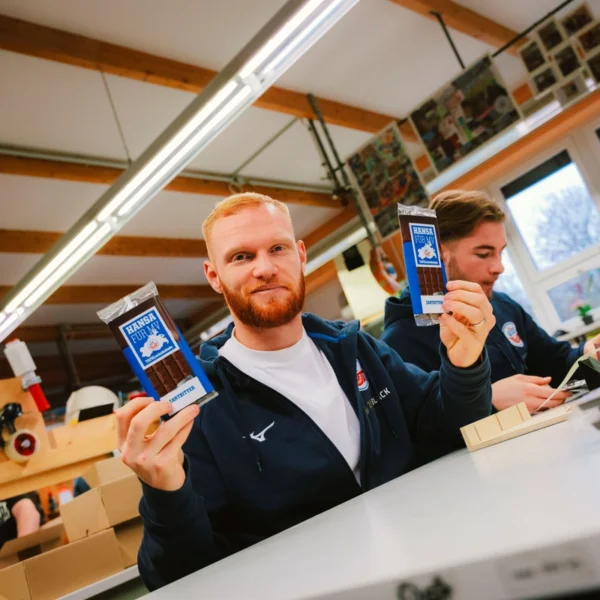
(446, 253)
(213, 278)
(302, 252)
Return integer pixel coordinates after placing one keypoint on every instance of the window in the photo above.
(510, 283)
(584, 288)
(553, 211)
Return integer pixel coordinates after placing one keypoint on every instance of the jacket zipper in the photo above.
(294, 406)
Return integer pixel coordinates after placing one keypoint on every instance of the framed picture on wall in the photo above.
(550, 35)
(589, 39)
(386, 176)
(544, 80)
(532, 56)
(463, 115)
(593, 64)
(571, 90)
(567, 60)
(577, 19)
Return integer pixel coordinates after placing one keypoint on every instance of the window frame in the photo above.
(583, 146)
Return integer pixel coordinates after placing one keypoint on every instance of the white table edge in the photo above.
(89, 591)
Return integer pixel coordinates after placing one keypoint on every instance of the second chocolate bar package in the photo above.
(425, 269)
(156, 351)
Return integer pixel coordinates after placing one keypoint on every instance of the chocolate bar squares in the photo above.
(425, 269)
(156, 350)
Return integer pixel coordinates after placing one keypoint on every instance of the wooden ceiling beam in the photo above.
(329, 227)
(317, 279)
(50, 333)
(101, 294)
(466, 21)
(72, 49)
(39, 242)
(71, 171)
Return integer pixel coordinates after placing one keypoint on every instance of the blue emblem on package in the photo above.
(149, 337)
(424, 243)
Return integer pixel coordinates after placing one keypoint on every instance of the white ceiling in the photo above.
(33, 203)
(379, 57)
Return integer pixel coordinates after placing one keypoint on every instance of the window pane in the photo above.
(584, 288)
(510, 284)
(553, 211)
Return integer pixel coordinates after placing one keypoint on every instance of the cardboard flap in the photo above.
(13, 583)
(49, 532)
(105, 471)
(121, 499)
(64, 570)
(85, 515)
(129, 537)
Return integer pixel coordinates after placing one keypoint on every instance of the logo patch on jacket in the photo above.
(512, 335)
(361, 378)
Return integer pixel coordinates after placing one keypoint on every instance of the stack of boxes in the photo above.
(97, 535)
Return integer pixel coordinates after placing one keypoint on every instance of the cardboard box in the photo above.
(13, 583)
(102, 507)
(64, 570)
(106, 470)
(129, 538)
(45, 538)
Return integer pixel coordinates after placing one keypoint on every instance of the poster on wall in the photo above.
(466, 113)
(386, 175)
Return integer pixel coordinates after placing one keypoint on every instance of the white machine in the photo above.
(94, 400)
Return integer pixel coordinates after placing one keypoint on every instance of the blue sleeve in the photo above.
(545, 355)
(179, 537)
(416, 345)
(437, 404)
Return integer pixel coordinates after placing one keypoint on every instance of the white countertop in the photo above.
(532, 491)
(109, 583)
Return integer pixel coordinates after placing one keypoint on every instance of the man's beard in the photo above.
(454, 273)
(274, 313)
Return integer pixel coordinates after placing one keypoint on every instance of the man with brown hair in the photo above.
(310, 413)
(526, 361)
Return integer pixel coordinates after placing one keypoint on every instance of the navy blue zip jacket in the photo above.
(516, 345)
(240, 490)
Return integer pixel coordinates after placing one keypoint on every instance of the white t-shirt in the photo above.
(303, 375)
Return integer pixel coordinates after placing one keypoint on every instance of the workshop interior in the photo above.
(362, 127)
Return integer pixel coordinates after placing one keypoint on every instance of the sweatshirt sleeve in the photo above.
(416, 345)
(437, 404)
(545, 355)
(179, 533)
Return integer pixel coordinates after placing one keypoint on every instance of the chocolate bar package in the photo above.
(425, 269)
(156, 351)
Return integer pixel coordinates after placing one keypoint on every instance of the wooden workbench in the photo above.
(65, 452)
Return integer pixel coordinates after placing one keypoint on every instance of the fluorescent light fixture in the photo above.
(50, 268)
(303, 35)
(295, 27)
(72, 261)
(9, 325)
(150, 169)
(207, 130)
(284, 34)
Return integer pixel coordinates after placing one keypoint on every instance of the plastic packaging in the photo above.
(425, 269)
(156, 351)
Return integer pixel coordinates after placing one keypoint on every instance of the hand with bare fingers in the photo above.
(156, 456)
(466, 322)
(525, 388)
